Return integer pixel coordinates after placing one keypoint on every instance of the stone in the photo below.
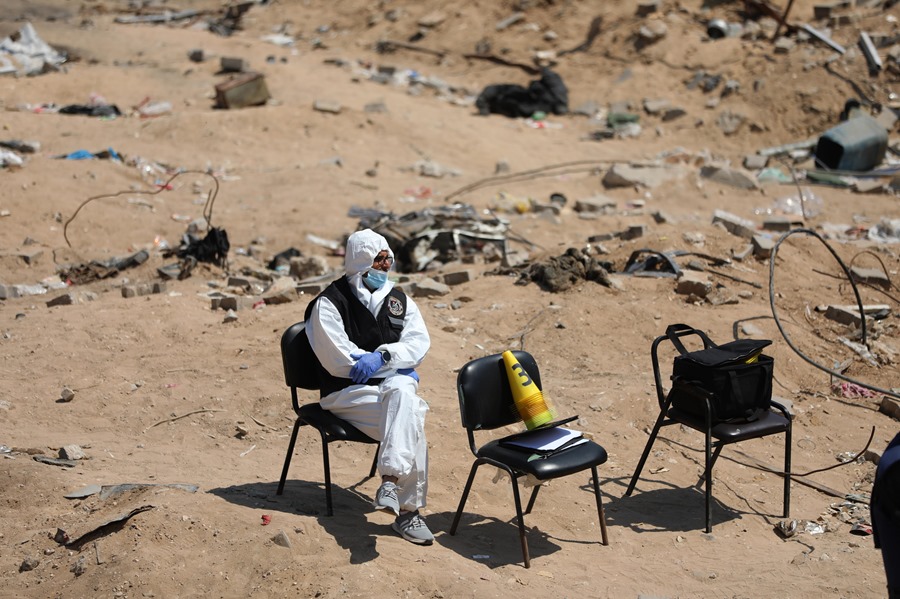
(66, 395)
(509, 21)
(458, 277)
(71, 452)
(647, 7)
(762, 246)
(734, 177)
(693, 283)
(68, 299)
(656, 106)
(31, 257)
(755, 162)
(432, 19)
(598, 204)
(735, 224)
(244, 90)
(303, 267)
(890, 406)
(281, 291)
(627, 175)
(780, 224)
(428, 287)
(232, 302)
(870, 276)
(632, 232)
(282, 540)
(329, 106)
(230, 64)
(230, 316)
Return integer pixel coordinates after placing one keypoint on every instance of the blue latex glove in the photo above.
(366, 365)
(409, 372)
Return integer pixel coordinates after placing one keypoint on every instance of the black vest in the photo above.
(363, 329)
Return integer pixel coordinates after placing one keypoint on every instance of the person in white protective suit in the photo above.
(369, 338)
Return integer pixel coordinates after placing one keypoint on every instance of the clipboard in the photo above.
(545, 442)
(555, 423)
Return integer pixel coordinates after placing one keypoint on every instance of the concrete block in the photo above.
(891, 407)
(428, 287)
(692, 283)
(458, 277)
(871, 276)
(762, 246)
(754, 162)
(780, 224)
(327, 106)
(735, 224)
(230, 64)
(248, 89)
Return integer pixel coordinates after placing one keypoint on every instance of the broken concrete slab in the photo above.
(762, 246)
(735, 224)
(143, 289)
(631, 175)
(693, 283)
(871, 276)
(71, 298)
(734, 177)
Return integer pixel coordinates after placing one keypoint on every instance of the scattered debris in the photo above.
(25, 53)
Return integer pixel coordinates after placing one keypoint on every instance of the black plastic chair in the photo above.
(297, 356)
(486, 403)
(773, 422)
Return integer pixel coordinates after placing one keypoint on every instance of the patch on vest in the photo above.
(395, 306)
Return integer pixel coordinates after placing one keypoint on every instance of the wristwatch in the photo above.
(385, 355)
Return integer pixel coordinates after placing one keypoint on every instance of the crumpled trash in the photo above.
(791, 528)
(25, 53)
(10, 158)
(99, 110)
(852, 390)
(887, 231)
(107, 154)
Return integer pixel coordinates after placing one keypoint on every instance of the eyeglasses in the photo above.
(385, 259)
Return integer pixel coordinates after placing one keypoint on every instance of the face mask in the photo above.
(376, 279)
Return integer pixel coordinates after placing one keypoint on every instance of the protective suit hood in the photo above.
(362, 247)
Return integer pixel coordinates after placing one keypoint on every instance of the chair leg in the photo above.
(465, 495)
(787, 472)
(600, 506)
(287, 458)
(375, 461)
(521, 520)
(647, 448)
(327, 464)
(707, 474)
(533, 497)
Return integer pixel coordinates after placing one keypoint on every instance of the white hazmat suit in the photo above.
(390, 412)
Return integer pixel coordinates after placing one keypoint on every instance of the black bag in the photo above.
(736, 374)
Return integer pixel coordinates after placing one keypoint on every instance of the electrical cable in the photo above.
(787, 339)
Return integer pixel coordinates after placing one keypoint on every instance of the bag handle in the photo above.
(672, 334)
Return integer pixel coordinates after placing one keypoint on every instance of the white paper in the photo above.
(545, 439)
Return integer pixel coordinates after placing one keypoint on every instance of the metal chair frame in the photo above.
(476, 418)
(331, 428)
(717, 434)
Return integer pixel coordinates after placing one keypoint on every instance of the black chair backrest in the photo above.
(301, 366)
(654, 357)
(485, 397)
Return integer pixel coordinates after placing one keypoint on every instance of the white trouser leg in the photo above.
(397, 419)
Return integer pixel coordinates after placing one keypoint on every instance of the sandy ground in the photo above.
(166, 392)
